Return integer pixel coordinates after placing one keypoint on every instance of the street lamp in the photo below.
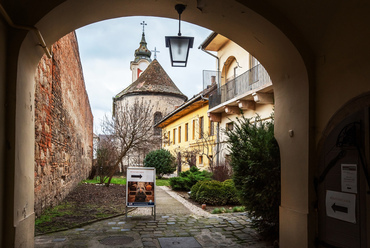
(179, 45)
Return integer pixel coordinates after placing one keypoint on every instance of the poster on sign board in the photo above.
(140, 185)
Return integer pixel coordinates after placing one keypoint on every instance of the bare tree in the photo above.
(131, 129)
(205, 145)
(106, 153)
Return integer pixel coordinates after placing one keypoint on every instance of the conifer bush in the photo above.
(255, 159)
(187, 179)
(230, 191)
(162, 160)
(214, 192)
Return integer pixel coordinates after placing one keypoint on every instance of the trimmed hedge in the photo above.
(214, 192)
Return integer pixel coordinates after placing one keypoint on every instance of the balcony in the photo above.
(237, 88)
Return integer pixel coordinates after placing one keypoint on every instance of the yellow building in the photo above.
(188, 132)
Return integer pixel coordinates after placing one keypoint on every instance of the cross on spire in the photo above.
(155, 52)
(144, 24)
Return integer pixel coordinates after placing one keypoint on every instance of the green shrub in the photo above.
(180, 183)
(215, 192)
(162, 160)
(238, 209)
(212, 193)
(188, 178)
(230, 191)
(195, 188)
(255, 159)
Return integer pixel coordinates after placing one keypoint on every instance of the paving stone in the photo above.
(224, 230)
(149, 244)
(180, 242)
(147, 235)
(59, 239)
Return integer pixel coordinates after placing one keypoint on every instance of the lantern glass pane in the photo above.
(179, 49)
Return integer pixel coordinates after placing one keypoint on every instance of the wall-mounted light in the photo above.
(179, 45)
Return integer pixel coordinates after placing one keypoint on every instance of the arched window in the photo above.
(157, 118)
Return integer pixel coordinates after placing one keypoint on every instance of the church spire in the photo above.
(143, 52)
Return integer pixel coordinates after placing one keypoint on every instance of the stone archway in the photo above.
(251, 31)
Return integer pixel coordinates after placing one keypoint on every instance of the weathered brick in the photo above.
(63, 124)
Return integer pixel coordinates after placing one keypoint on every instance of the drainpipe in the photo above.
(218, 124)
(29, 28)
(218, 63)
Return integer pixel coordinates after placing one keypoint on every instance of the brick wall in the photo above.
(63, 125)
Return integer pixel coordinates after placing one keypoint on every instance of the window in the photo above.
(193, 129)
(186, 131)
(169, 138)
(201, 127)
(200, 160)
(179, 140)
(211, 128)
(174, 136)
(229, 126)
(157, 118)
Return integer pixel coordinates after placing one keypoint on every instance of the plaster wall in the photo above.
(242, 57)
(160, 103)
(343, 73)
(3, 44)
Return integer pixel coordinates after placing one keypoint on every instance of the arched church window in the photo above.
(157, 118)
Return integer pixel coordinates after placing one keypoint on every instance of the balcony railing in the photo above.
(249, 80)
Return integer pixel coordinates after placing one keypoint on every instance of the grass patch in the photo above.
(224, 210)
(121, 180)
(162, 182)
(115, 180)
(51, 213)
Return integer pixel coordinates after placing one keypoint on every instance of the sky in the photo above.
(107, 48)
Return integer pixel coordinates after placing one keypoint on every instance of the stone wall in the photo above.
(63, 125)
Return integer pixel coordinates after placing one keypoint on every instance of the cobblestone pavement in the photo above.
(179, 228)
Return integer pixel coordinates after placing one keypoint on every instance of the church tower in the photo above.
(142, 57)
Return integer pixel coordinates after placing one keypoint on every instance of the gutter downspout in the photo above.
(29, 28)
(218, 63)
(218, 124)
